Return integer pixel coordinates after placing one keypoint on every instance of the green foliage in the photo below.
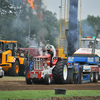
(14, 24)
(94, 22)
(6, 7)
(36, 94)
(52, 25)
(90, 25)
(8, 31)
(86, 29)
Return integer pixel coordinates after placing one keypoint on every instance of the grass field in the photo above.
(10, 78)
(35, 94)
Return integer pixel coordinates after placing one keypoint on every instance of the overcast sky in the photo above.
(89, 7)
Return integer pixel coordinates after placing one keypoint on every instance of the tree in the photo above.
(6, 15)
(86, 29)
(94, 22)
(8, 31)
(43, 27)
(6, 7)
(15, 25)
(52, 26)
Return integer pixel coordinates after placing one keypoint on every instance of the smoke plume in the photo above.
(72, 34)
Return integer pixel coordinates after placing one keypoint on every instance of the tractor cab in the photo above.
(8, 45)
(88, 45)
(14, 47)
(87, 42)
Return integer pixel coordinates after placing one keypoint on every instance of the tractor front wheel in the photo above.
(28, 80)
(14, 70)
(47, 79)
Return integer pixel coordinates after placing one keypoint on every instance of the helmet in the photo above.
(48, 47)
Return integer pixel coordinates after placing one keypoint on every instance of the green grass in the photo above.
(35, 94)
(10, 78)
(13, 77)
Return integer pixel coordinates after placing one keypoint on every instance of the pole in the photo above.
(93, 48)
(80, 25)
(67, 17)
(29, 40)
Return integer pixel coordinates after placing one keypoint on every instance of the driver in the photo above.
(49, 51)
(7, 47)
(90, 44)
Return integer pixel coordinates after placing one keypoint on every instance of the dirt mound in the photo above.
(18, 83)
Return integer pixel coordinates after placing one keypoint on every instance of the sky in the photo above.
(89, 7)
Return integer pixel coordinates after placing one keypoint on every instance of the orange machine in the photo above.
(12, 60)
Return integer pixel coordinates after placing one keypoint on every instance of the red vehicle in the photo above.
(45, 68)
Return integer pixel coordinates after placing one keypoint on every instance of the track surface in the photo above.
(18, 83)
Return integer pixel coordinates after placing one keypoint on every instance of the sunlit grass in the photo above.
(35, 94)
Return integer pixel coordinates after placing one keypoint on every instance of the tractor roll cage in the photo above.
(4, 43)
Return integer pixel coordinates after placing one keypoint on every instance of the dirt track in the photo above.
(18, 83)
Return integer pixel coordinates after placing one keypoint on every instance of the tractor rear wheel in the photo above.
(28, 80)
(60, 72)
(91, 77)
(14, 70)
(80, 75)
(47, 79)
(96, 77)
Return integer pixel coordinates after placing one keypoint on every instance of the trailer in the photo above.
(87, 59)
(86, 68)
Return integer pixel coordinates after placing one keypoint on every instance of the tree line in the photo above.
(18, 18)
